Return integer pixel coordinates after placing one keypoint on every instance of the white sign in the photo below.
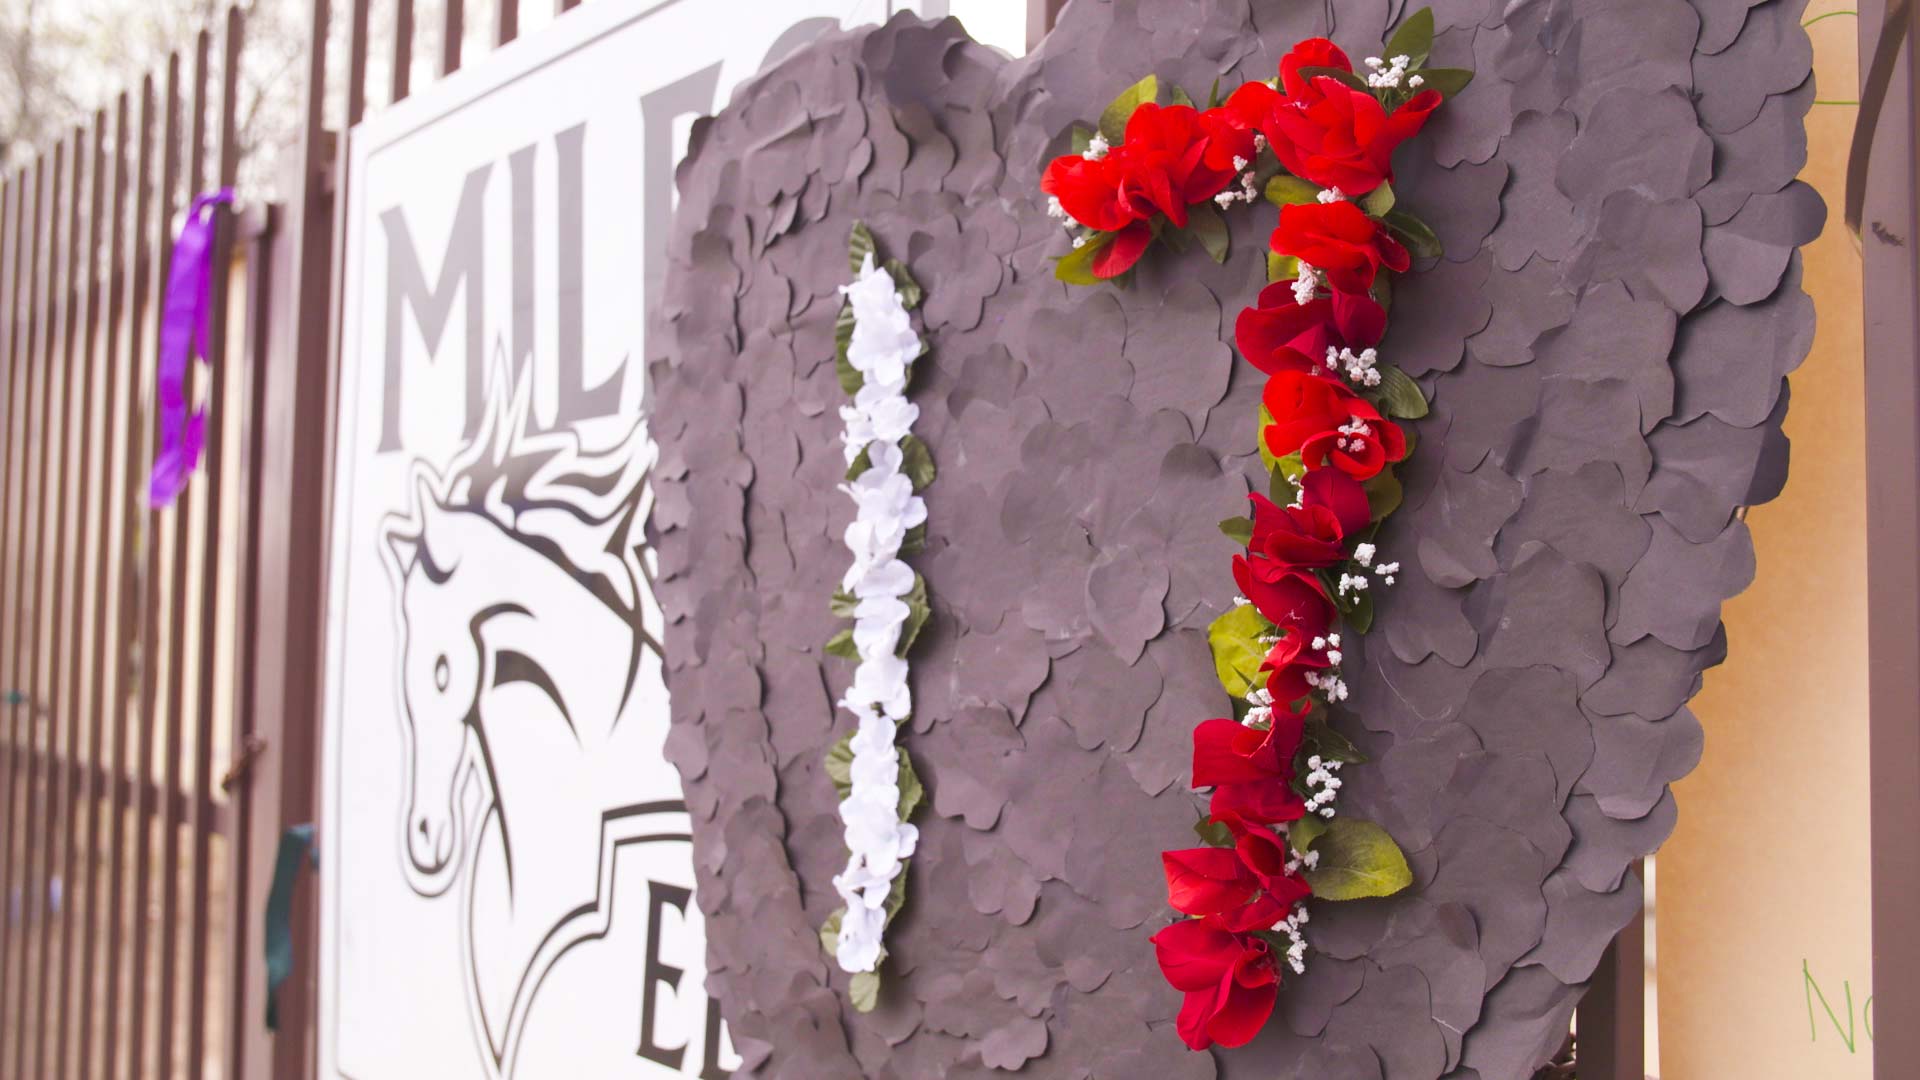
(506, 863)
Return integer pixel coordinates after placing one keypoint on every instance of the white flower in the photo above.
(1363, 554)
(1054, 209)
(1097, 147)
(1306, 285)
(1332, 195)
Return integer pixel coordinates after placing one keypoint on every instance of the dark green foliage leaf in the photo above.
(911, 792)
(1414, 38)
(1082, 138)
(915, 541)
(859, 246)
(850, 378)
(841, 645)
(1329, 744)
(1113, 120)
(1357, 859)
(1076, 266)
(843, 603)
(1205, 224)
(1212, 833)
(860, 464)
(1301, 834)
(1237, 648)
(1281, 488)
(1356, 609)
(840, 764)
(1288, 190)
(1238, 529)
(1213, 95)
(1179, 96)
(1383, 494)
(910, 291)
(1347, 78)
(917, 613)
(916, 461)
(1414, 233)
(1378, 201)
(1399, 395)
(1449, 81)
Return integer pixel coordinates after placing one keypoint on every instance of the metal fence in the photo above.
(160, 667)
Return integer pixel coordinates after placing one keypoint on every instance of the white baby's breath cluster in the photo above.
(1361, 368)
(883, 349)
(1249, 186)
(1390, 73)
(1307, 285)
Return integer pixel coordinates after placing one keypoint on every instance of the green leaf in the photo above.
(1213, 95)
(1329, 744)
(1281, 267)
(1346, 78)
(1281, 488)
(910, 291)
(1357, 859)
(1260, 438)
(841, 645)
(1113, 119)
(915, 541)
(1356, 610)
(1076, 266)
(1383, 494)
(916, 461)
(1287, 190)
(1378, 201)
(911, 792)
(1238, 529)
(842, 603)
(830, 931)
(1082, 138)
(1449, 81)
(1420, 239)
(860, 245)
(850, 378)
(896, 895)
(1179, 96)
(840, 764)
(864, 991)
(1414, 38)
(1205, 224)
(1291, 466)
(861, 464)
(1237, 648)
(917, 613)
(1400, 395)
(1383, 291)
(1301, 834)
(1212, 833)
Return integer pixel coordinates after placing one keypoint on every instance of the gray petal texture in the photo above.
(1605, 343)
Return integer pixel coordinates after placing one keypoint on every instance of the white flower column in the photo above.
(882, 351)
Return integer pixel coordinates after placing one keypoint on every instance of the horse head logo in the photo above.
(522, 597)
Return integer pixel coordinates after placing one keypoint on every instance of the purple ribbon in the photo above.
(183, 335)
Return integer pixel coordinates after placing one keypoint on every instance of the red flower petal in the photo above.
(1204, 881)
(1122, 251)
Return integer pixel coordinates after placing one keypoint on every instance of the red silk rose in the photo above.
(1216, 881)
(1313, 52)
(1249, 770)
(1301, 536)
(1330, 426)
(1282, 334)
(1229, 980)
(1339, 137)
(1288, 597)
(1340, 240)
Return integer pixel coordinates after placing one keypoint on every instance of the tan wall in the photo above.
(1768, 869)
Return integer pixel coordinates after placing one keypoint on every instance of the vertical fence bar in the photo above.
(9, 428)
(180, 559)
(357, 61)
(506, 21)
(16, 717)
(233, 38)
(106, 681)
(152, 279)
(561, 7)
(402, 48)
(78, 367)
(452, 30)
(33, 909)
(1612, 1017)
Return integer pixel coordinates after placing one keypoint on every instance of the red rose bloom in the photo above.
(1313, 534)
(1339, 239)
(1339, 137)
(1286, 596)
(1330, 426)
(1289, 662)
(1231, 124)
(1229, 980)
(1249, 770)
(1281, 334)
(1218, 881)
(1313, 52)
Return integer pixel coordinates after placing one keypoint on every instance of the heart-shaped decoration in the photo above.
(1604, 344)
